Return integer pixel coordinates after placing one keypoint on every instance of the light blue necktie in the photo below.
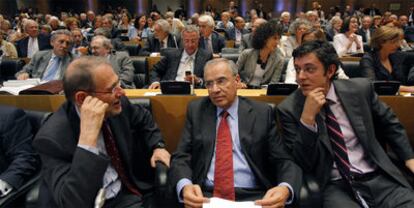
(207, 45)
(52, 69)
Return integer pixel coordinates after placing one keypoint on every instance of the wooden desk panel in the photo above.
(169, 111)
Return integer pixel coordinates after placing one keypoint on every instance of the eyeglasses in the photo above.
(220, 82)
(115, 90)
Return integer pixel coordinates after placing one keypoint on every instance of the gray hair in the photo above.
(28, 22)
(60, 32)
(106, 42)
(165, 26)
(285, 13)
(103, 31)
(208, 19)
(231, 65)
(190, 29)
(294, 26)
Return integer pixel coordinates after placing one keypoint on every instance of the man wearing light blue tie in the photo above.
(50, 64)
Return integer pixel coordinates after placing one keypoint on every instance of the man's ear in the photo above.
(80, 97)
(331, 71)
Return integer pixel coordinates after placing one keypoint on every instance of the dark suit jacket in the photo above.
(362, 33)
(264, 151)
(167, 67)
(231, 33)
(371, 120)
(153, 44)
(42, 40)
(18, 160)
(74, 175)
(216, 40)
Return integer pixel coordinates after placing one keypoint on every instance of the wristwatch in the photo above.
(160, 145)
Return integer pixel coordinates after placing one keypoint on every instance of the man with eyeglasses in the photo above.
(229, 148)
(98, 141)
(182, 64)
(332, 128)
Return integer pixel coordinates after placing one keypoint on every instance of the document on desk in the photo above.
(222, 203)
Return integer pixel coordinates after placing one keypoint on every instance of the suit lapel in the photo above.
(43, 62)
(245, 125)
(209, 132)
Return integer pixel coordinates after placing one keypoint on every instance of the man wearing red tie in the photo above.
(229, 148)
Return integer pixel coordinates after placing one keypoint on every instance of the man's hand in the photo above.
(241, 85)
(275, 197)
(189, 78)
(160, 154)
(313, 104)
(92, 114)
(154, 85)
(193, 196)
(410, 164)
(23, 76)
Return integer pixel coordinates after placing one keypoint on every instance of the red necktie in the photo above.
(223, 170)
(116, 161)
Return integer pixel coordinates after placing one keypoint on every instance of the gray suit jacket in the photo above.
(264, 151)
(123, 67)
(38, 64)
(371, 120)
(247, 65)
(246, 41)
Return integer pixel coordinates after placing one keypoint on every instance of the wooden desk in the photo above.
(169, 111)
(151, 61)
(350, 58)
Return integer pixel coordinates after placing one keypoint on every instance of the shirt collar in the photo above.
(232, 110)
(331, 95)
(185, 54)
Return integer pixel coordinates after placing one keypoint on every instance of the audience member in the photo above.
(108, 144)
(225, 22)
(176, 25)
(18, 159)
(8, 50)
(236, 33)
(162, 38)
(285, 21)
(233, 151)
(119, 60)
(348, 42)
(140, 30)
(80, 44)
(33, 42)
(384, 62)
(182, 64)
(331, 127)
(117, 43)
(296, 30)
(366, 29)
(247, 38)
(210, 40)
(50, 64)
(262, 64)
(334, 27)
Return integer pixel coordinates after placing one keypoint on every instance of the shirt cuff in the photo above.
(180, 185)
(292, 194)
(313, 128)
(89, 148)
(5, 188)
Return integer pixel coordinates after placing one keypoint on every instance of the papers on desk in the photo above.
(222, 203)
(152, 93)
(13, 87)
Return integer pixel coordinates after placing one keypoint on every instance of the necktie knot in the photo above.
(224, 114)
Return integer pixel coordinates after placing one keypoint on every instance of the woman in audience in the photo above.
(262, 64)
(348, 42)
(334, 27)
(376, 21)
(384, 61)
(140, 29)
(296, 30)
(311, 35)
(71, 23)
(124, 25)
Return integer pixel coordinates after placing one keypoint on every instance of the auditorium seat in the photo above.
(351, 69)
(230, 53)
(9, 67)
(141, 75)
(133, 49)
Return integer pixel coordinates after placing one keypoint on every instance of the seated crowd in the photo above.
(230, 147)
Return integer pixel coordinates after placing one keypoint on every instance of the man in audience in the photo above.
(236, 33)
(285, 21)
(120, 61)
(403, 20)
(182, 64)
(209, 40)
(34, 41)
(97, 140)
(162, 38)
(80, 45)
(366, 29)
(333, 127)
(116, 42)
(18, 159)
(247, 38)
(91, 19)
(108, 24)
(247, 161)
(50, 64)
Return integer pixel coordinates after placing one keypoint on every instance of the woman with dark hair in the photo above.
(262, 64)
(311, 35)
(384, 61)
(348, 42)
(140, 29)
(124, 24)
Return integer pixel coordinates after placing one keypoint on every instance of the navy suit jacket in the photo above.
(153, 44)
(42, 40)
(231, 33)
(216, 40)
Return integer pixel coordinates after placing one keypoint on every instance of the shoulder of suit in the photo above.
(359, 83)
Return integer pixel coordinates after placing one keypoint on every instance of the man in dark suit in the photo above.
(366, 30)
(332, 128)
(98, 141)
(182, 64)
(247, 161)
(50, 64)
(18, 160)
(162, 38)
(236, 33)
(209, 39)
(34, 41)
(120, 61)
